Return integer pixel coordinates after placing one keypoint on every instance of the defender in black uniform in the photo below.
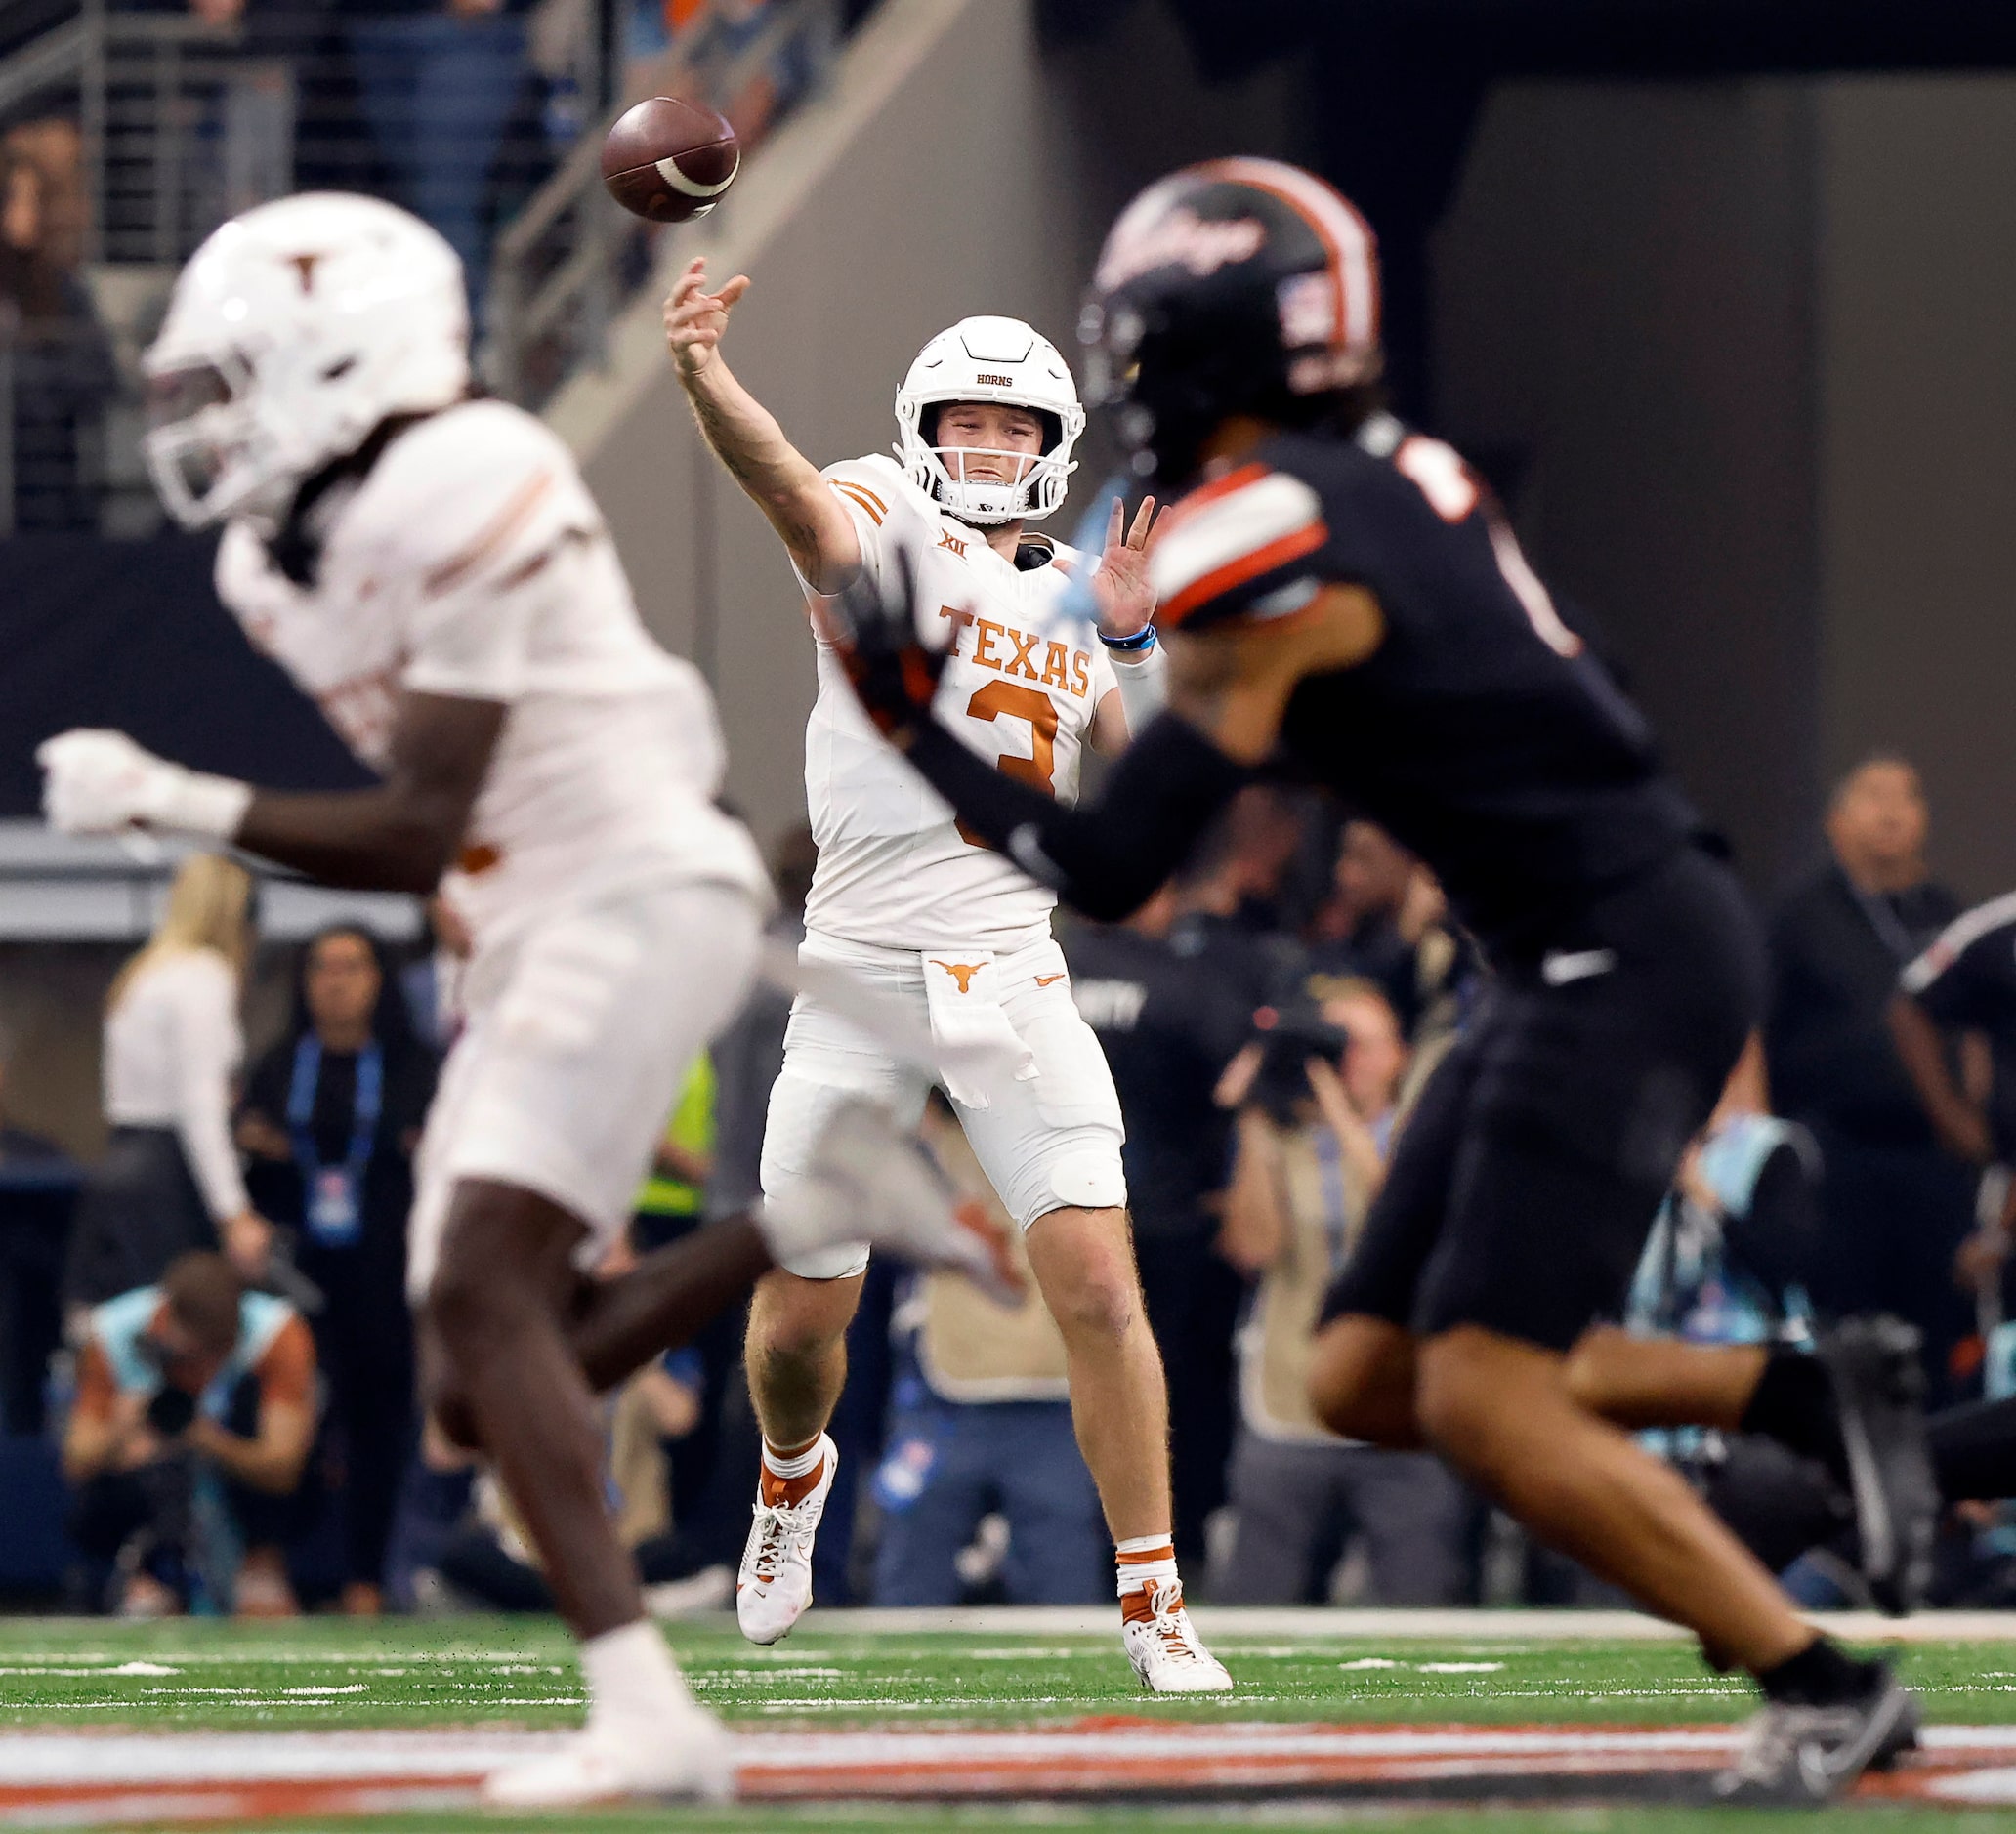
(1346, 605)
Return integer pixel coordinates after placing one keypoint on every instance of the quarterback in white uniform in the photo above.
(433, 571)
(986, 416)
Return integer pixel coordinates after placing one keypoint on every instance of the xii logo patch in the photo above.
(946, 539)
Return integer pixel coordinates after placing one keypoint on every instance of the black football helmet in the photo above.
(1234, 286)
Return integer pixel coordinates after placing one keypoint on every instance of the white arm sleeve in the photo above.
(1143, 679)
(207, 1049)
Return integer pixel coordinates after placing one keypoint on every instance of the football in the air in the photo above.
(668, 160)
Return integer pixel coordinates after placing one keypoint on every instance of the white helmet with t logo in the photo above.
(294, 331)
(990, 360)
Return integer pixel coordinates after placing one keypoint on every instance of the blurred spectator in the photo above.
(1736, 1242)
(980, 1428)
(1965, 983)
(438, 81)
(675, 1193)
(192, 1420)
(169, 1181)
(1894, 1209)
(1170, 1019)
(1387, 921)
(431, 982)
(331, 1117)
(38, 1191)
(57, 372)
(1310, 1163)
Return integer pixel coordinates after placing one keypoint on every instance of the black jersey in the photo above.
(1481, 734)
(1966, 981)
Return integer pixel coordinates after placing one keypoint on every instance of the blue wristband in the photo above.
(1143, 639)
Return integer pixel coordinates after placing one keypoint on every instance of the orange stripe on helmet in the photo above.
(1348, 243)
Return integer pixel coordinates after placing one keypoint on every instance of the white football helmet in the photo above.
(991, 359)
(295, 330)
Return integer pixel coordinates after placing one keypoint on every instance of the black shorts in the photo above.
(1525, 1183)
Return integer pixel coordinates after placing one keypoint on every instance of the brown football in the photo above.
(668, 160)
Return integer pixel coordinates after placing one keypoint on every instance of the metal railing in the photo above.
(566, 264)
(181, 127)
(65, 406)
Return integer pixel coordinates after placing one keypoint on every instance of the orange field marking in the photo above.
(84, 1778)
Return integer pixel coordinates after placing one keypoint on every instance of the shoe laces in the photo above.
(1169, 1622)
(786, 1528)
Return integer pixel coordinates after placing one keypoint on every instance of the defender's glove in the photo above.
(894, 673)
(95, 781)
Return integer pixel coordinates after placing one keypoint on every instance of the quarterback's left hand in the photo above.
(1121, 587)
(895, 676)
(95, 781)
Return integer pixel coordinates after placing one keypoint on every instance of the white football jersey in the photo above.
(1020, 690)
(471, 561)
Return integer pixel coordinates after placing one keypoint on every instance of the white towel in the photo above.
(977, 1047)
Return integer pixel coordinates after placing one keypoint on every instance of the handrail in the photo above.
(42, 64)
(580, 290)
(101, 50)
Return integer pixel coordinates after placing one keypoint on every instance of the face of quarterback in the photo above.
(978, 442)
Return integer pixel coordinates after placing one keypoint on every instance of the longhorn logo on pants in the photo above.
(961, 972)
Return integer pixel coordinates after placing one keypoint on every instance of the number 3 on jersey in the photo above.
(1438, 471)
(1008, 698)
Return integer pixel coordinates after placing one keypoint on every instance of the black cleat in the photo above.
(1879, 1392)
(1802, 1756)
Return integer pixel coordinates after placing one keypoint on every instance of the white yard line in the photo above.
(1229, 1623)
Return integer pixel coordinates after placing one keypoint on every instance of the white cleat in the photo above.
(872, 1182)
(775, 1584)
(1166, 1652)
(690, 1759)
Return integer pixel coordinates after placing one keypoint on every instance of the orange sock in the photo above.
(789, 1477)
(1144, 1563)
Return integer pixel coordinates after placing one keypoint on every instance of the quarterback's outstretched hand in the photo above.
(95, 781)
(695, 318)
(895, 676)
(1121, 587)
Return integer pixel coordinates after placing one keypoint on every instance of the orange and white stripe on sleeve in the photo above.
(1234, 546)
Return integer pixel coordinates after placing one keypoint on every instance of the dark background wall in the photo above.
(1623, 335)
(1741, 348)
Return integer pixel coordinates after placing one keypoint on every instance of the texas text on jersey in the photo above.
(1482, 732)
(1021, 689)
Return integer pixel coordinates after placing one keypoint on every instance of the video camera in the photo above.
(1288, 1038)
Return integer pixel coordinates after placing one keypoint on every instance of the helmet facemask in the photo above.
(206, 449)
(1035, 483)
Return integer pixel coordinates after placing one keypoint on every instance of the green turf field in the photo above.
(331, 1673)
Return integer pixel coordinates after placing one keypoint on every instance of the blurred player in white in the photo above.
(433, 571)
(986, 419)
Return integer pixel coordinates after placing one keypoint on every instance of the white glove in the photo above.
(99, 782)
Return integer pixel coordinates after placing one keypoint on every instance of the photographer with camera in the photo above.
(1319, 1094)
(192, 1420)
